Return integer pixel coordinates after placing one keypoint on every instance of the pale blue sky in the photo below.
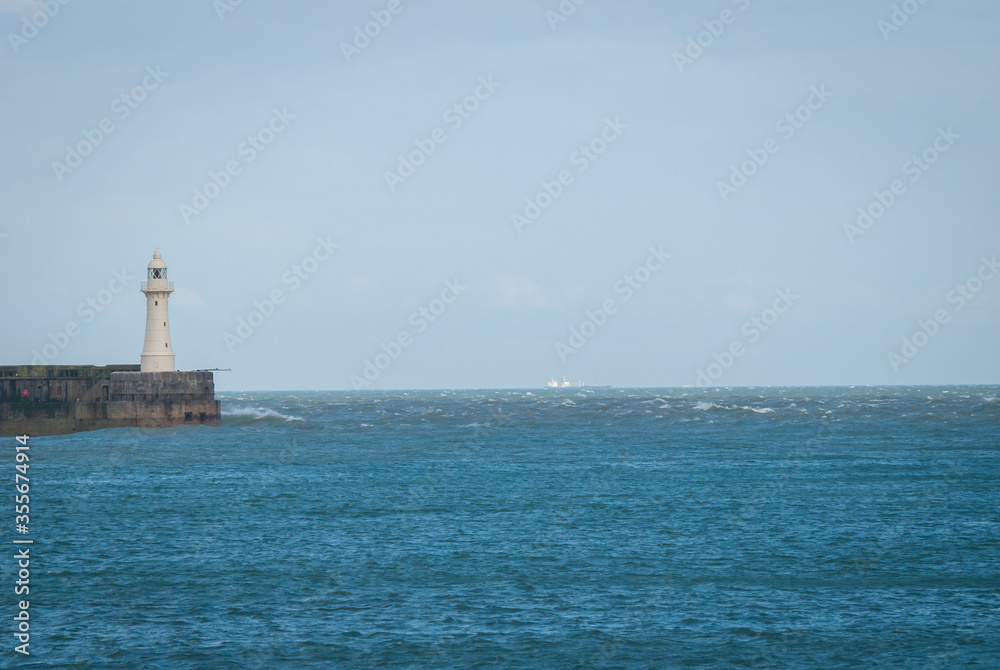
(342, 126)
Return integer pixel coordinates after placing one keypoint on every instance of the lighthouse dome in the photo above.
(157, 261)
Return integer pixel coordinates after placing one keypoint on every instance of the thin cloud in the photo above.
(20, 7)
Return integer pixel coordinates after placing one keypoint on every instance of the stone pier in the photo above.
(58, 400)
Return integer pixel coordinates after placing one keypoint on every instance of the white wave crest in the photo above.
(260, 413)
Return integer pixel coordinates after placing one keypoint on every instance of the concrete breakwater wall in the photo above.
(57, 400)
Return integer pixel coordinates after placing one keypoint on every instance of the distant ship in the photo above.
(553, 384)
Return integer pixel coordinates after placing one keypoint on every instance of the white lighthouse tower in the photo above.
(157, 353)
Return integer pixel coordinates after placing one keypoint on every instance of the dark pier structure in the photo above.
(58, 400)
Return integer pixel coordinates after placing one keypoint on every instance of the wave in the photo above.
(763, 410)
(712, 407)
(259, 414)
(989, 404)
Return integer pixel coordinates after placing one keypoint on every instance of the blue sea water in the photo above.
(674, 528)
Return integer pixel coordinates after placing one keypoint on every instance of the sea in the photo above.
(578, 528)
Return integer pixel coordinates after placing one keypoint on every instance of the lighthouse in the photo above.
(157, 352)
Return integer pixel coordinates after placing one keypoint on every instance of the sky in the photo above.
(425, 194)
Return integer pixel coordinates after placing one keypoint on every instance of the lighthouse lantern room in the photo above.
(157, 352)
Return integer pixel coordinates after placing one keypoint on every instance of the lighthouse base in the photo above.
(156, 363)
